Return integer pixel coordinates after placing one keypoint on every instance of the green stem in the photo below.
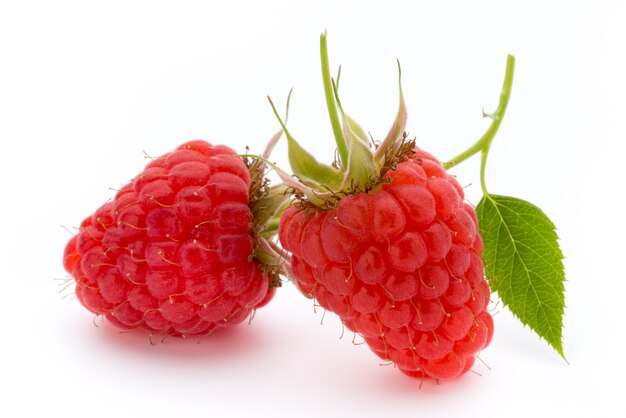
(342, 147)
(483, 164)
(483, 144)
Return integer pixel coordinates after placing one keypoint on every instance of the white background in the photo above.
(87, 87)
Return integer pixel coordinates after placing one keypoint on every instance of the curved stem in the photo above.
(342, 147)
(483, 164)
(485, 141)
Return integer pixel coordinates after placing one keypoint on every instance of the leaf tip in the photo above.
(559, 349)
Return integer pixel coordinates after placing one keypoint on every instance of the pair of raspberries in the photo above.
(180, 251)
(382, 237)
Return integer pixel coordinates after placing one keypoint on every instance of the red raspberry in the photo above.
(401, 265)
(174, 251)
(384, 239)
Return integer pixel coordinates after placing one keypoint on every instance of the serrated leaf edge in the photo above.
(556, 335)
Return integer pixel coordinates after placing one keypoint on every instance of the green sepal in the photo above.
(306, 167)
(357, 129)
(269, 205)
(271, 227)
(397, 128)
(361, 167)
(274, 139)
(329, 94)
(313, 191)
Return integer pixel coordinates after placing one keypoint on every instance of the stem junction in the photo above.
(484, 143)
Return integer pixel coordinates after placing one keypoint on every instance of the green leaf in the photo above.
(524, 263)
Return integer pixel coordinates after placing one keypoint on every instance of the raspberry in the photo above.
(401, 265)
(384, 239)
(175, 252)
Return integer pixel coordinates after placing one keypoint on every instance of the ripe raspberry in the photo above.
(176, 251)
(401, 266)
(384, 239)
